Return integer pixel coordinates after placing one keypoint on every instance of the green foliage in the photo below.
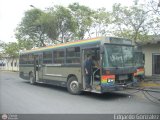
(101, 20)
(132, 22)
(30, 28)
(2, 44)
(82, 17)
(25, 44)
(61, 24)
(48, 23)
(11, 49)
(135, 22)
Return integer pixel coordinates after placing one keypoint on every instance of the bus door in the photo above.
(38, 60)
(95, 78)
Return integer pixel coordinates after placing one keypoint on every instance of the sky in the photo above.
(12, 11)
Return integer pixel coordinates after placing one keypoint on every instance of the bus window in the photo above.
(73, 55)
(47, 57)
(24, 59)
(58, 56)
(20, 59)
(30, 59)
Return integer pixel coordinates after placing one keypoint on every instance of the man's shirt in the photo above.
(88, 66)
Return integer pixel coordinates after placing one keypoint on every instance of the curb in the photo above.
(150, 84)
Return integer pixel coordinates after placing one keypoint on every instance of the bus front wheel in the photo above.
(73, 86)
(32, 79)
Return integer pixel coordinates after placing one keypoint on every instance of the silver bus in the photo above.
(63, 64)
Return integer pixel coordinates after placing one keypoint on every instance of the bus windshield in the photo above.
(138, 58)
(118, 55)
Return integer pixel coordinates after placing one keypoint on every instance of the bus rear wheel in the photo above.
(73, 86)
(32, 79)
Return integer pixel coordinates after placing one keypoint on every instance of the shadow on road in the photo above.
(54, 87)
(104, 96)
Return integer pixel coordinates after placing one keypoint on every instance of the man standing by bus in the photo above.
(88, 68)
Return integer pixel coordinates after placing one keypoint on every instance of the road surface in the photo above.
(18, 96)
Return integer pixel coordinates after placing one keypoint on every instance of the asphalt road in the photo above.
(18, 96)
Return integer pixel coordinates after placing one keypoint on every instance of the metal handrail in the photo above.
(94, 74)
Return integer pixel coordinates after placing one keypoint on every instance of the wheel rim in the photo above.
(74, 86)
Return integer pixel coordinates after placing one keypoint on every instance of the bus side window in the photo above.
(30, 59)
(47, 57)
(58, 56)
(73, 55)
(25, 59)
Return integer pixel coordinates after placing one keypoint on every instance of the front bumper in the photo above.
(116, 87)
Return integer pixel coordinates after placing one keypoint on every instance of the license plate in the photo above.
(123, 77)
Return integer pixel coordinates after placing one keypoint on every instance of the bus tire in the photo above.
(32, 79)
(73, 86)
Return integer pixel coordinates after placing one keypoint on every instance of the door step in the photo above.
(93, 91)
(39, 82)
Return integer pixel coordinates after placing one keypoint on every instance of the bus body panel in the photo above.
(24, 71)
(58, 74)
(61, 73)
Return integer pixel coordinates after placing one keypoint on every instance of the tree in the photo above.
(2, 45)
(101, 20)
(11, 49)
(83, 19)
(154, 12)
(30, 29)
(61, 25)
(48, 22)
(131, 22)
(25, 44)
(154, 6)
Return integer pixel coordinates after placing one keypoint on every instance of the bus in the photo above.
(139, 63)
(63, 64)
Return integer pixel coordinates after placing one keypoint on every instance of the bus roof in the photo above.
(73, 43)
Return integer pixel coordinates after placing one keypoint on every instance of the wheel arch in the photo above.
(68, 82)
(30, 72)
(71, 75)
